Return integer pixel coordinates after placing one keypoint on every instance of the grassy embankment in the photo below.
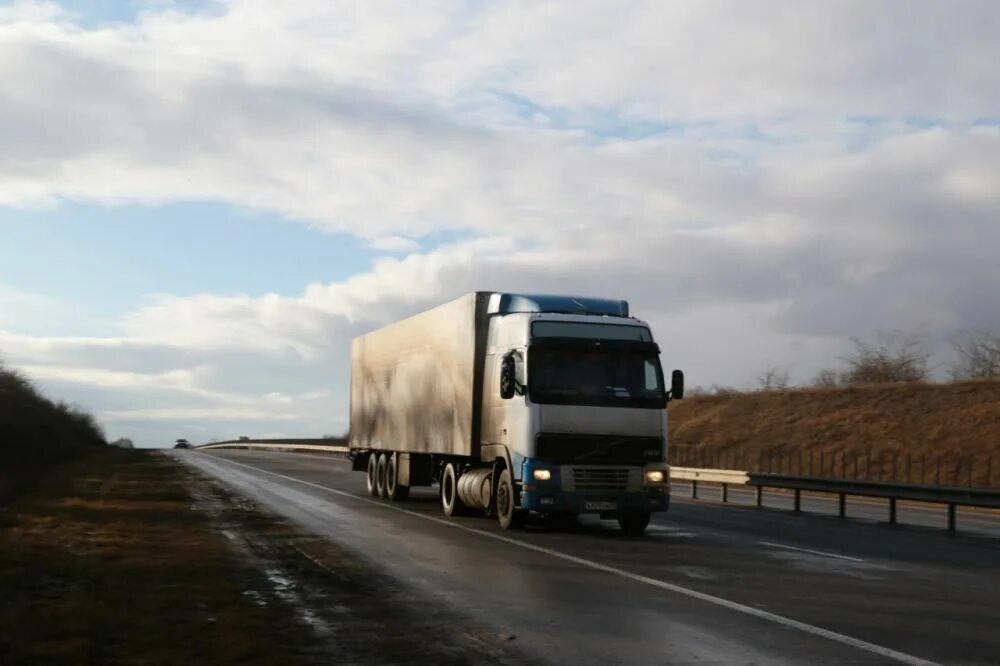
(37, 434)
(930, 433)
(104, 561)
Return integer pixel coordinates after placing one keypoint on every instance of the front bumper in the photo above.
(602, 489)
(552, 500)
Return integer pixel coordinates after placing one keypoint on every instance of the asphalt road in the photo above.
(708, 584)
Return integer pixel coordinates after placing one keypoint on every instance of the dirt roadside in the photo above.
(942, 434)
(129, 557)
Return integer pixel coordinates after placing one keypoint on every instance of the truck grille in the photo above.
(598, 449)
(602, 478)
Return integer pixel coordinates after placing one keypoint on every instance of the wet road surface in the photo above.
(708, 584)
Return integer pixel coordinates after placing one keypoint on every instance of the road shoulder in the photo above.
(130, 556)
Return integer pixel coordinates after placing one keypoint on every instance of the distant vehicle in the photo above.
(244, 438)
(516, 404)
(182, 444)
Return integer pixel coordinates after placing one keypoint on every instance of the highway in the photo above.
(708, 584)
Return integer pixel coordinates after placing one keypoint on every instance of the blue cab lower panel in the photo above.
(547, 496)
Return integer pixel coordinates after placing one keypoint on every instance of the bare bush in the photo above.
(774, 378)
(978, 355)
(37, 434)
(827, 378)
(892, 357)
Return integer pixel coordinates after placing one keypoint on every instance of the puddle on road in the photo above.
(671, 531)
(285, 589)
(255, 597)
(696, 573)
(829, 565)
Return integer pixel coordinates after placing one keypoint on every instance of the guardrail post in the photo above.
(951, 517)
(843, 505)
(760, 496)
(694, 489)
(892, 510)
(725, 492)
(798, 500)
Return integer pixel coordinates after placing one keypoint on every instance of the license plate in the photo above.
(600, 506)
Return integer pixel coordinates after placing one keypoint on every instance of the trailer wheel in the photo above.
(508, 515)
(634, 522)
(380, 475)
(451, 504)
(393, 490)
(373, 474)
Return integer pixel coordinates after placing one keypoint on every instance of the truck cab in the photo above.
(574, 394)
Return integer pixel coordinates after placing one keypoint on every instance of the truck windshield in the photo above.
(602, 377)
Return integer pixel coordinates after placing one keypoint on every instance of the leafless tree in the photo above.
(774, 378)
(891, 357)
(978, 355)
(827, 378)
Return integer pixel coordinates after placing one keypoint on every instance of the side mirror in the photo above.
(507, 377)
(677, 384)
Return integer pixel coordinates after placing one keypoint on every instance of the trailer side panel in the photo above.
(414, 383)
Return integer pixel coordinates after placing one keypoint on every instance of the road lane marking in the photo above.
(808, 550)
(858, 643)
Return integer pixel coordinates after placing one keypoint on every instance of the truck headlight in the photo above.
(542, 475)
(655, 476)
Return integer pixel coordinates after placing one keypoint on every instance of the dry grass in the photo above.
(106, 562)
(912, 424)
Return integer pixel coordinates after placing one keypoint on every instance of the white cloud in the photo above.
(761, 181)
(395, 244)
(203, 414)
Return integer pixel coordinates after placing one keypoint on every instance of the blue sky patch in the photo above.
(107, 258)
(96, 13)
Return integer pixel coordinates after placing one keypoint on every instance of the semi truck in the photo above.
(516, 405)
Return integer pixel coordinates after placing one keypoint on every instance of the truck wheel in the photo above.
(451, 504)
(508, 515)
(634, 522)
(380, 475)
(393, 490)
(373, 475)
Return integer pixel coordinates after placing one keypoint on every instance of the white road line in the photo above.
(888, 653)
(813, 552)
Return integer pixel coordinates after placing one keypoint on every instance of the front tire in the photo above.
(634, 522)
(509, 516)
(394, 491)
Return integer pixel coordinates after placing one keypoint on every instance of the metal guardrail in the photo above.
(724, 477)
(277, 445)
(950, 496)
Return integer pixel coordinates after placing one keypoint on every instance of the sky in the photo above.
(201, 203)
